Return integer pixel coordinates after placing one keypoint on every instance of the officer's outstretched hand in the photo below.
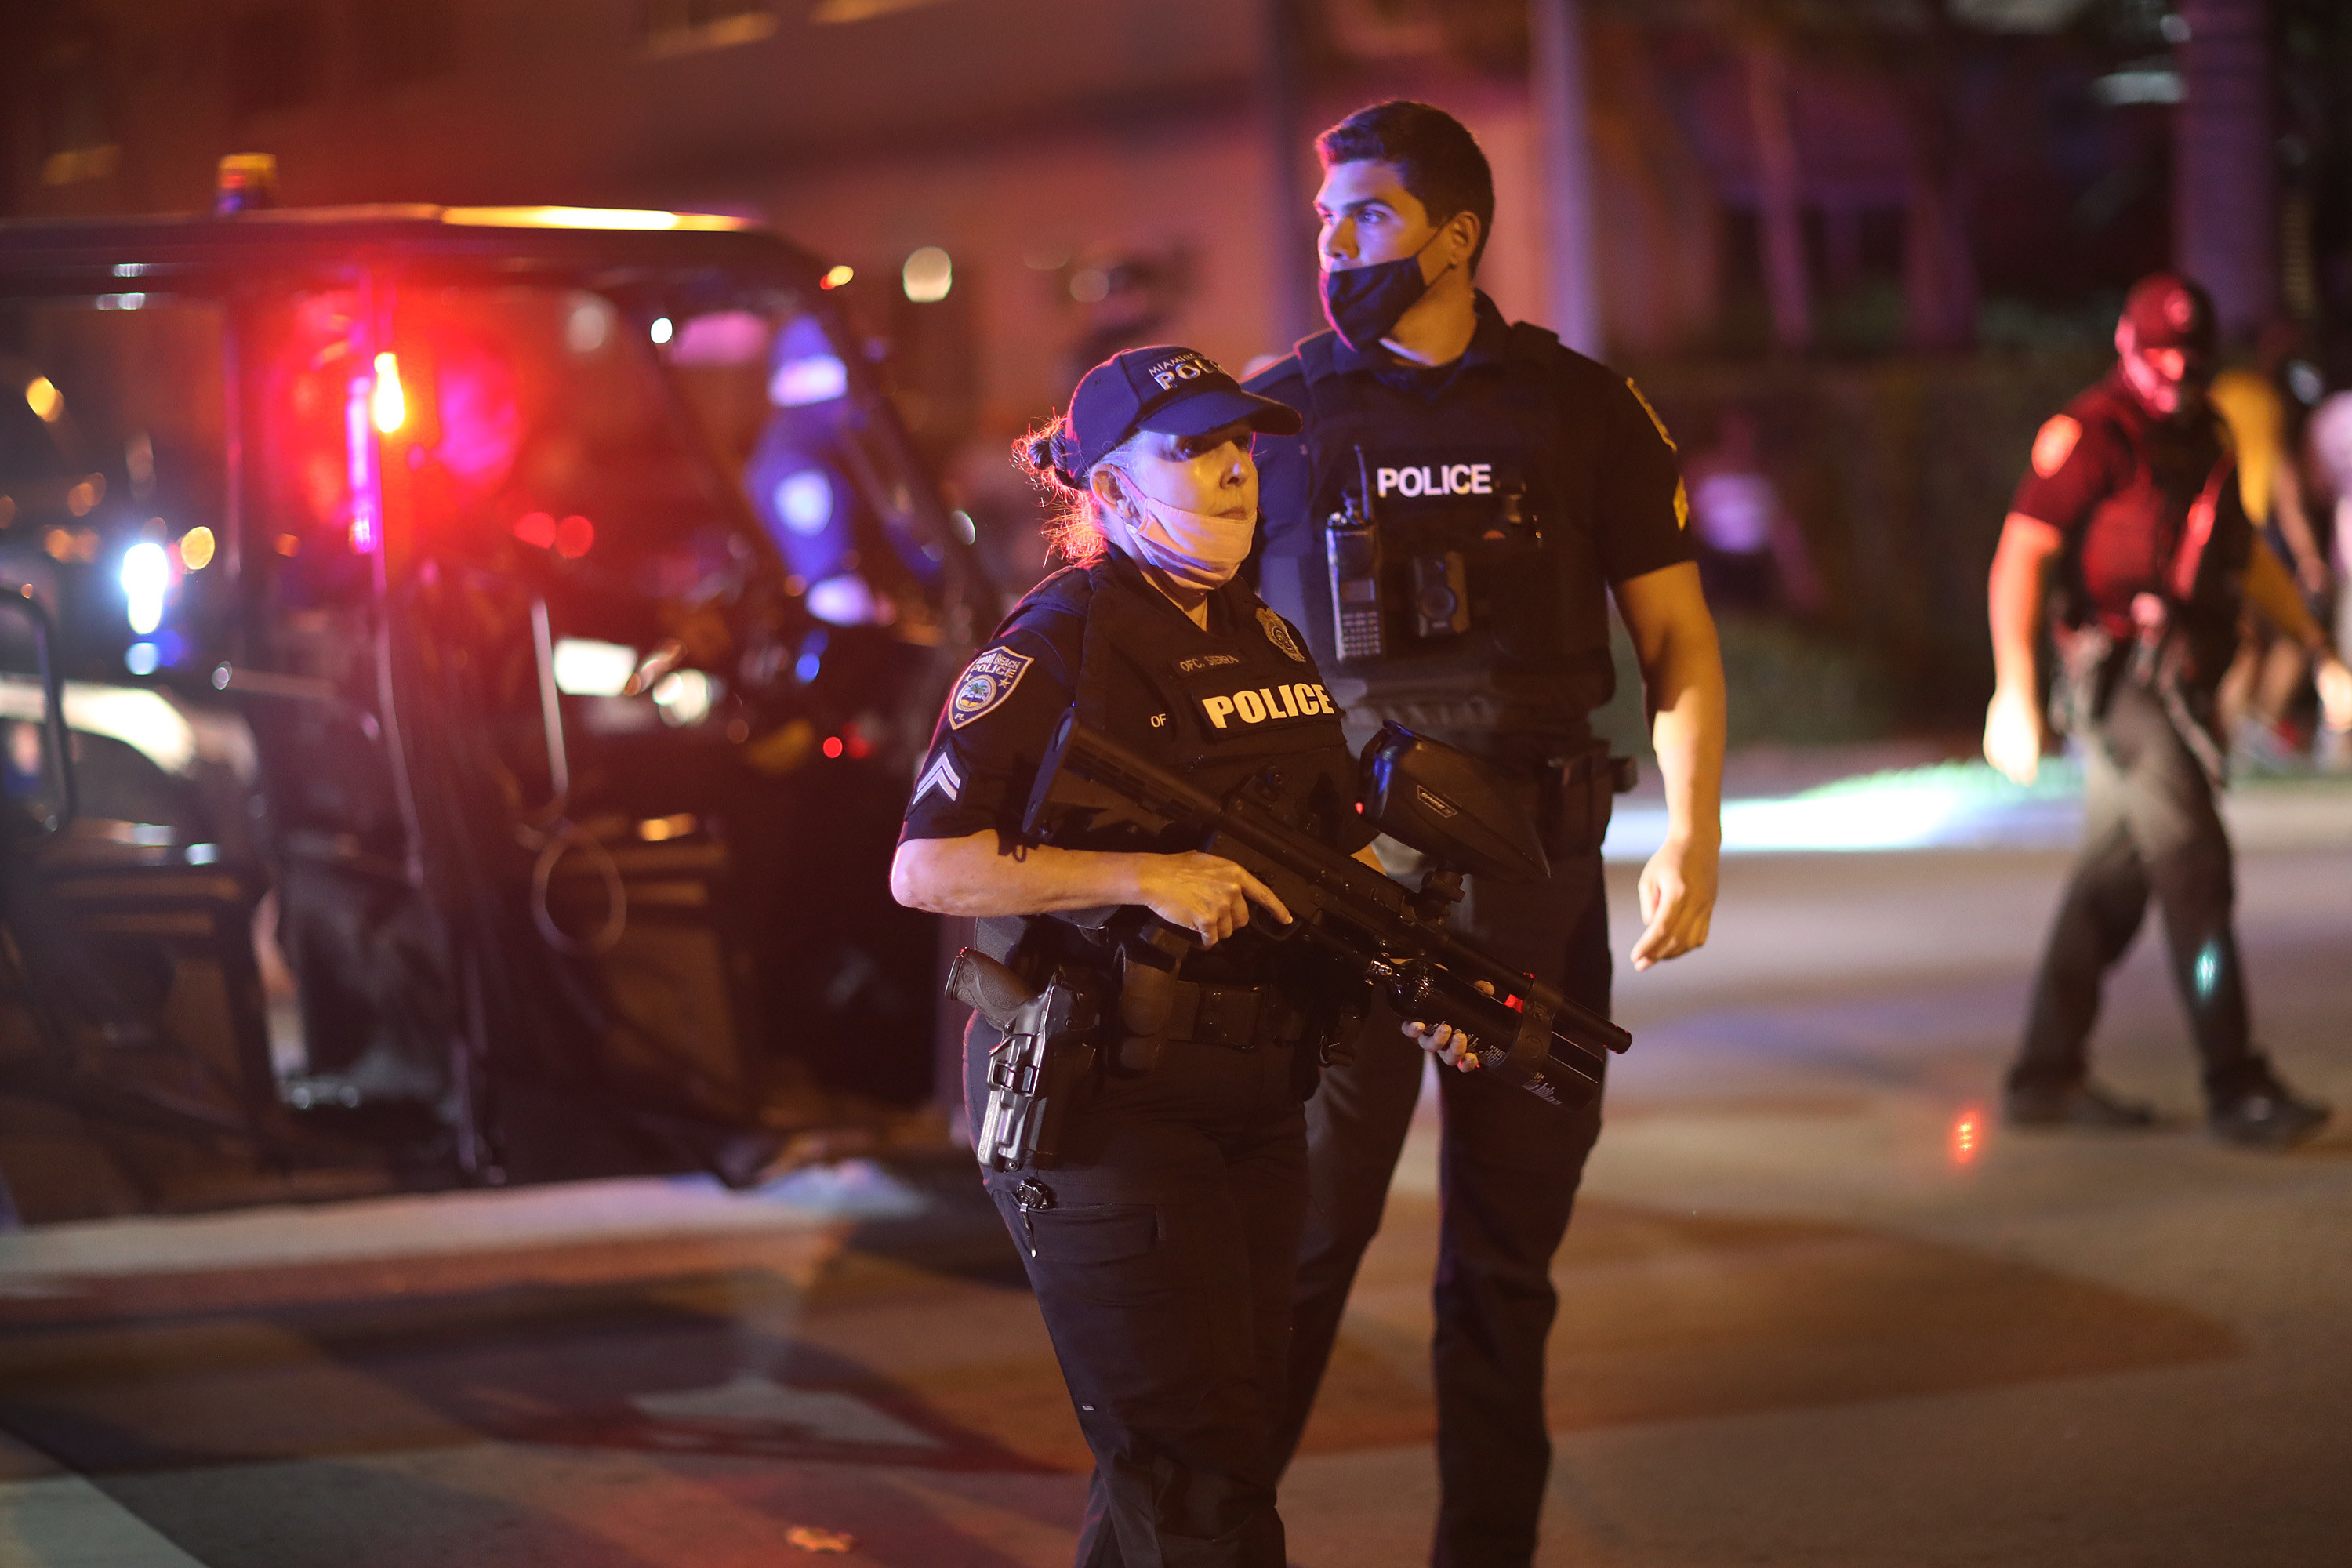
(1206, 894)
(1677, 894)
(2013, 736)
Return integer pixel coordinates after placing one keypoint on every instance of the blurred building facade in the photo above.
(1832, 182)
(1851, 177)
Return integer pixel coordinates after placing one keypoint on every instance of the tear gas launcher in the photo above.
(1442, 802)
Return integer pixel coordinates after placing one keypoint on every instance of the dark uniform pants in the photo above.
(1509, 1168)
(1163, 1269)
(2151, 829)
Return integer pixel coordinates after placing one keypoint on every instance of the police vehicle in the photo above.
(459, 674)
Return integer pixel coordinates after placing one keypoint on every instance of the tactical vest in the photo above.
(1240, 707)
(1441, 577)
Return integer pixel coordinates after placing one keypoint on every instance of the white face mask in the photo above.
(1195, 548)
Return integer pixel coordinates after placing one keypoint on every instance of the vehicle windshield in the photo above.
(112, 479)
(770, 391)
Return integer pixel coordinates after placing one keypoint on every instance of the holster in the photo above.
(2159, 659)
(1042, 1063)
(2088, 666)
(1577, 796)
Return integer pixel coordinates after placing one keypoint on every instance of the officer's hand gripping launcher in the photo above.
(1428, 795)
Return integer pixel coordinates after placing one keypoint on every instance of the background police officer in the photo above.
(1161, 1242)
(2133, 507)
(1489, 485)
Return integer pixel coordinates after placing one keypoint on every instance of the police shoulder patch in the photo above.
(985, 683)
(2055, 444)
(1278, 632)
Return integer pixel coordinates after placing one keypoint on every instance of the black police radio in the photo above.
(1383, 606)
(1351, 543)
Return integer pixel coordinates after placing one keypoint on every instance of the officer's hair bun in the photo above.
(1040, 452)
(1044, 453)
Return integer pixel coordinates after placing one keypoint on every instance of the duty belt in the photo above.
(1239, 1017)
(1593, 762)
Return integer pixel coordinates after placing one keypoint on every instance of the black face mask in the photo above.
(1364, 304)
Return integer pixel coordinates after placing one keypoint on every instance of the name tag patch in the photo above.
(1201, 661)
(1248, 708)
(985, 683)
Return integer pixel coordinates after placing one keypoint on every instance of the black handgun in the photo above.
(1438, 800)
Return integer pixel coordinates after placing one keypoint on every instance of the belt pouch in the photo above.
(2089, 660)
(1578, 793)
(1146, 1002)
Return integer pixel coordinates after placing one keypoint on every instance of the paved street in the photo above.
(1817, 1310)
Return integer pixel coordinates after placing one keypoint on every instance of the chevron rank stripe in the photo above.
(940, 776)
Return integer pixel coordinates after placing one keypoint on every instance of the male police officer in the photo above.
(2133, 498)
(1443, 530)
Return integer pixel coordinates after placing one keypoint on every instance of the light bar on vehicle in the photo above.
(587, 217)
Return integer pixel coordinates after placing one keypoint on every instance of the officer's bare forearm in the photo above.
(1687, 734)
(976, 876)
(2273, 592)
(1686, 689)
(2013, 593)
(1682, 682)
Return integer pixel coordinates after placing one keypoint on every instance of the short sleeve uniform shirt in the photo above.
(2124, 490)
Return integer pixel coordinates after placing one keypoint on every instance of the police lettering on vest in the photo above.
(1265, 704)
(1435, 480)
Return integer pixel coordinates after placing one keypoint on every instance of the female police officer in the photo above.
(1162, 1241)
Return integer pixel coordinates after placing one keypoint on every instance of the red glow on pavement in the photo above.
(1968, 1136)
(573, 536)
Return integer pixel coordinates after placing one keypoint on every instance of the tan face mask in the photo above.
(1195, 548)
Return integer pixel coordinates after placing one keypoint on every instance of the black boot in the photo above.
(2265, 1115)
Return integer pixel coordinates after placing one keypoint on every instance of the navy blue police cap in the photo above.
(1170, 389)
